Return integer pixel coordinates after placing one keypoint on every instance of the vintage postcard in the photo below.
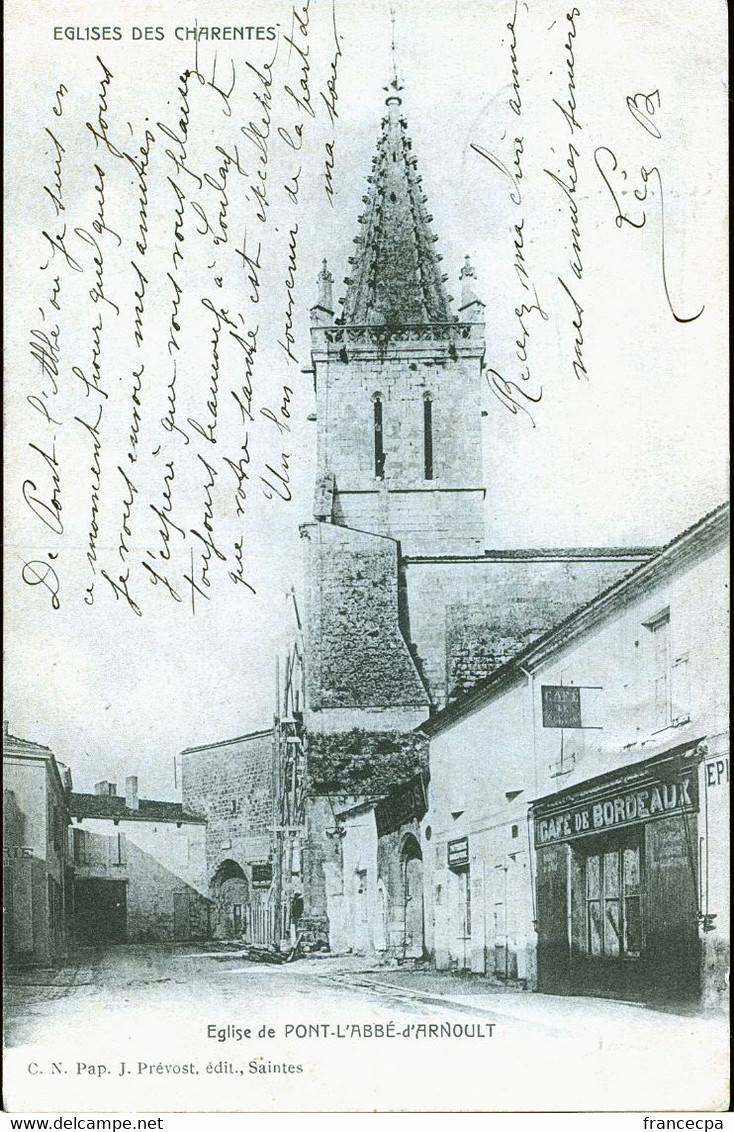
(366, 725)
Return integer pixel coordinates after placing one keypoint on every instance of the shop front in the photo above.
(617, 885)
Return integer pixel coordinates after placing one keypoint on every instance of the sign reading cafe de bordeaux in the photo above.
(659, 799)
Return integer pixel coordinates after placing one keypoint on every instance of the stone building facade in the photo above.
(405, 609)
(37, 886)
(577, 833)
(139, 868)
(230, 785)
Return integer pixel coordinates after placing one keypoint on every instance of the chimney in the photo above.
(131, 792)
(102, 787)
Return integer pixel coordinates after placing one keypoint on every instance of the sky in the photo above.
(628, 453)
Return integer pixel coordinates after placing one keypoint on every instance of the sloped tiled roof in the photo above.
(695, 539)
(12, 742)
(113, 806)
(15, 747)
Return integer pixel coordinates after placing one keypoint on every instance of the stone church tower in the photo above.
(398, 376)
(404, 607)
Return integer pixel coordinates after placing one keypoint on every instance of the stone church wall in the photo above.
(466, 617)
(365, 763)
(357, 654)
(231, 785)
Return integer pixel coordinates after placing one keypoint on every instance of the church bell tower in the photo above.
(398, 377)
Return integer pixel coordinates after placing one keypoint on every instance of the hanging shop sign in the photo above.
(458, 853)
(262, 875)
(629, 807)
(561, 705)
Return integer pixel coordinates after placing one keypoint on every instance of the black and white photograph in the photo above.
(366, 721)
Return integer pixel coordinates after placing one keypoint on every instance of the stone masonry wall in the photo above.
(391, 872)
(345, 768)
(231, 785)
(150, 900)
(364, 763)
(466, 617)
(345, 417)
(444, 512)
(357, 656)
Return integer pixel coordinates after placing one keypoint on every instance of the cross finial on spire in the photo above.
(394, 86)
(392, 45)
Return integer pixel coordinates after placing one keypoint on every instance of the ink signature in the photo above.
(643, 108)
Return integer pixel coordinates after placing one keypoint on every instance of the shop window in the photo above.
(613, 885)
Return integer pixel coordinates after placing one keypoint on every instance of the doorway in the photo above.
(231, 893)
(100, 911)
(413, 918)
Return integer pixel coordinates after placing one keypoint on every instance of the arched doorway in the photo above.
(411, 863)
(231, 894)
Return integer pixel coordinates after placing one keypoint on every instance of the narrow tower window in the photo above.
(427, 437)
(379, 449)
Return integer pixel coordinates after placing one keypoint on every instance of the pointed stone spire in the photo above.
(395, 277)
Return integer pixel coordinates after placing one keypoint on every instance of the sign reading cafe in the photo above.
(654, 800)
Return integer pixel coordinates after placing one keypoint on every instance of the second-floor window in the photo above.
(659, 650)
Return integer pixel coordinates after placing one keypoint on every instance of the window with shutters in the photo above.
(660, 670)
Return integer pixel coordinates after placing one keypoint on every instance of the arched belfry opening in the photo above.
(378, 436)
(427, 436)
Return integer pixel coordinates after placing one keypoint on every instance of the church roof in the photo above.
(395, 275)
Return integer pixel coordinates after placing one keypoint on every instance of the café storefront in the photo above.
(617, 890)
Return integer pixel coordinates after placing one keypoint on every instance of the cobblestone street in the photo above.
(151, 1028)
